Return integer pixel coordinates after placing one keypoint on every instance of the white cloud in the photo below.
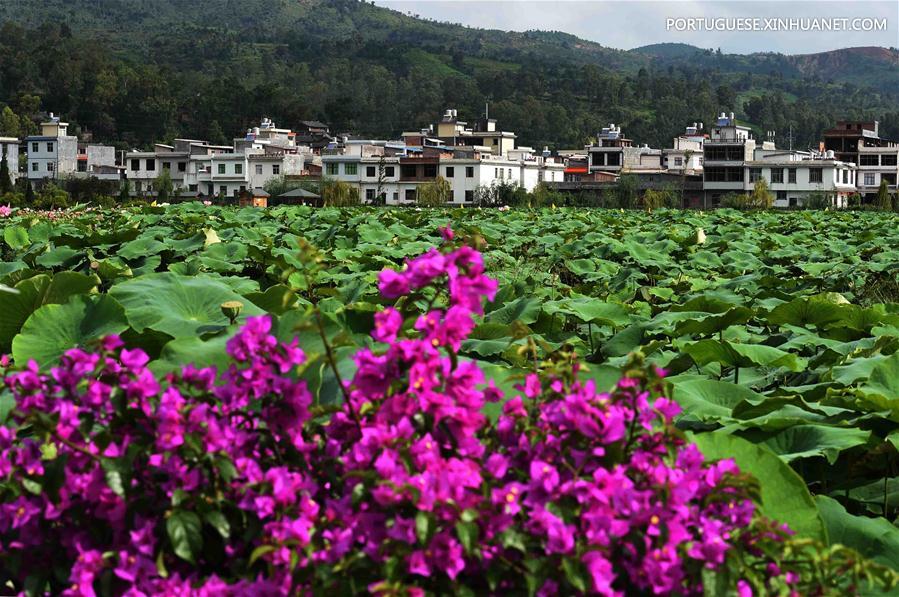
(632, 23)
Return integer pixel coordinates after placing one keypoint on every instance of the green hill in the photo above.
(139, 71)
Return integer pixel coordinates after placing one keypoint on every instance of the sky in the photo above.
(628, 24)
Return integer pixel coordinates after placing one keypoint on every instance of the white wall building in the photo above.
(376, 171)
(876, 164)
(9, 147)
(792, 179)
(685, 154)
(56, 154)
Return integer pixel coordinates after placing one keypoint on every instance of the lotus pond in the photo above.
(778, 331)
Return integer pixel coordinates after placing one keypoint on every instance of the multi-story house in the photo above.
(685, 154)
(9, 150)
(875, 165)
(793, 176)
(56, 154)
(877, 158)
(199, 168)
(724, 157)
(394, 173)
(453, 132)
(615, 154)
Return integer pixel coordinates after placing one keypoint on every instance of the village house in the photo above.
(615, 154)
(9, 150)
(685, 154)
(55, 154)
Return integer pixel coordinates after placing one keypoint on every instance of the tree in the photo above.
(125, 192)
(164, 186)
(5, 179)
(884, 201)
(761, 197)
(336, 193)
(9, 123)
(626, 191)
(435, 193)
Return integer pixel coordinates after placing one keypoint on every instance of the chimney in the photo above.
(732, 118)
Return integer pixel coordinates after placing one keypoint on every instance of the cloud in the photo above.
(628, 24)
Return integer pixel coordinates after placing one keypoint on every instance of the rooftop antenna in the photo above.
(486, 111)
(791, 137)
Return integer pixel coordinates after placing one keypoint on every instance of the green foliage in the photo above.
(51, 197)
(761, 197)
(818, 200)
(5, 176)
(435, 193)
(884, 200)
(336, 193)
(9, 123)
(163, 186)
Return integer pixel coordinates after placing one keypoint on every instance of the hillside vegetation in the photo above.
(139, 71)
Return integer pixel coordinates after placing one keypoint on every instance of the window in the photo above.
(678, 162)
(49, 147)
(469, 171)
(781, 195)
(34, 167)
(258, 168)
(351, 169)
(869, 179)
(135, 165)
(720, 174)
(182, 166)
(243, 189)
(792, 174)
(430, 170)
(82, 165)
(396, 196)
(371, 172)
(777, 174)
(410, 194)
(223, 190)
(34, 148)
(868, 159)
(815, 175)
(166, 165)
(754, 174)
(238, 168)
(276, 169)
(192, 187)
(370, 194)
(539, 175)
(510, 173)
(408, 171)
(888, 160)
(845, 176)
(613, 159)
(331, 168)
(151, 164)
(389, 171)
(51, 166)
(469, 196)
(450, 172)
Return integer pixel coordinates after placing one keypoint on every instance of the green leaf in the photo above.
(422, 527)
(734, 354)
(186, 534)
(259, 552)
(709, 400)
(468, 535)
(179, 306)
(808, 441)
(524, 309)
(115, 471)
(874, 538)
(53, 329)
(575, 574)
(785, 497)
(219, 522)
(16, 237)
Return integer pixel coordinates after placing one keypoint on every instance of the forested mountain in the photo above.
(139, 71)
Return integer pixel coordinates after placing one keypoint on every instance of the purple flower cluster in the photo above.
(236, 484)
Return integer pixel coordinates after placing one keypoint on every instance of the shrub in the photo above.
(239, 483)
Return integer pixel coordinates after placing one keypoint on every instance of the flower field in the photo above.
(548, 402)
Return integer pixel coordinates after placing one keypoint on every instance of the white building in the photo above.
(614, 154)
(9, 147)
(876, 164)
(685, 154)
(199, 168)
(725, 154)
(792, 177)
(56, 154)
(394, 173)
